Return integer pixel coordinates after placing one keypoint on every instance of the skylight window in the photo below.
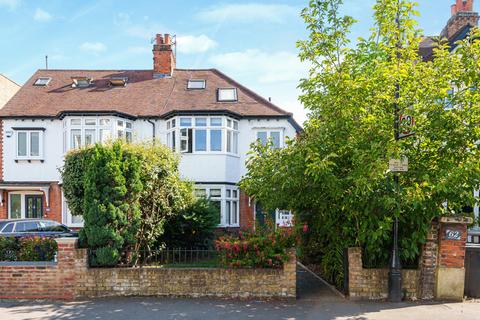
(227, 94)
(196, 84)
(42, 81)
(118, 81)
(81, 82)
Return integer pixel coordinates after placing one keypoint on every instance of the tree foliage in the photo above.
(336, 175)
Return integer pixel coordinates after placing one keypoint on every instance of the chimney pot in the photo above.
(168, 39)
(454, 9)
(159, 39)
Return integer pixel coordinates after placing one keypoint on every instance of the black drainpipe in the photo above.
(153, 129)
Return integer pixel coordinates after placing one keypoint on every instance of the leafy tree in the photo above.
(194, 227)
(336, 176)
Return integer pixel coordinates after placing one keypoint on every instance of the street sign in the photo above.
(406, 123)
(398, 165)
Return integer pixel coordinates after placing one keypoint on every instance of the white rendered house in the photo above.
(203, 114)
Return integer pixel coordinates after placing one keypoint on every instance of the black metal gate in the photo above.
(472, 267)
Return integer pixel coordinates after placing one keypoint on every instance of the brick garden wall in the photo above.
(71, 278)
(373, 283)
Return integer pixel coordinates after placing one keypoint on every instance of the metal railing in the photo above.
(167, 257)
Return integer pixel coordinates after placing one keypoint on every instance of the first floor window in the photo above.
(274, 136)
(29, 144)
(215, 140)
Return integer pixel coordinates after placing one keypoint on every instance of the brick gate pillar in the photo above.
(450, 277)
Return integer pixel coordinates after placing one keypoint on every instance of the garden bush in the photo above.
(27, 249)
(266, 247)
(194, 227)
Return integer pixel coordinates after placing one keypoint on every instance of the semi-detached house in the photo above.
(203, 114)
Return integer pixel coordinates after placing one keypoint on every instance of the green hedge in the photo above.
(27, 249)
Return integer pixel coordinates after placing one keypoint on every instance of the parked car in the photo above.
(34, 227)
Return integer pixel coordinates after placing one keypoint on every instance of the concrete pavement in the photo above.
(315, 301)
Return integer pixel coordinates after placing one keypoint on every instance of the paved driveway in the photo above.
(315, 301)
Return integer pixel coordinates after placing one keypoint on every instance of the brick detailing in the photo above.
(373, 283)
(71, 278)
(163, 57)
(452, 252)
(429, 263)
(4, 205)
(41, 280)
(55, 202)
(247, 211)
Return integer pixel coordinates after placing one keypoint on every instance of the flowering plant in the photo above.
(27, 249)
(264, 247)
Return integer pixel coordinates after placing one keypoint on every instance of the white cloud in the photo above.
(93, 47)
(11, 4)
(195, 44)
(249, 12)
(42, 15)
(266, 67)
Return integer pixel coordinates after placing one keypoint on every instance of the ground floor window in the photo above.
(25, 205)
(226, 198)
(69, 219)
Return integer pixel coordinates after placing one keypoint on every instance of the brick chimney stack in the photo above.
(462, 15)
(163, 56)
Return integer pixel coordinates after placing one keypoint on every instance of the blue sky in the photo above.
(252, 41)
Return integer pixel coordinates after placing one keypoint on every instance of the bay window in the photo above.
(29, 144)
(203, 134)
(226, 199)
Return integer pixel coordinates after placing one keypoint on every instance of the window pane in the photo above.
(129, 125)
(15, 206)
(275, 135)
(215, 140)
(77, 219)
(196, 84)
(185, 122)
(234, 212)
(120, 123)
(128, 136)
(215, 192)
(229, 193)
(235, 142)
(229, 123)
(90, 122)
(228, 213)
(235, 125)
(22, 144)
(229, 141)
(168, 125)
(200, 193)
(104, 122)
(200, 140)
(216, 122)
(201, 122)
(174, 141)
(90, 137)
(228, 94)
(76, 122)
(235, 194)
(217, 205)
(105, 135)
(34, 144)
(20, 227)
(76, 138)
(8, 228)
(262, 135)
(173, 123)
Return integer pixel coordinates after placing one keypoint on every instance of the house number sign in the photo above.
(453, 234)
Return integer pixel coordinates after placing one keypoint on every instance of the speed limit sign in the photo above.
(406, 124)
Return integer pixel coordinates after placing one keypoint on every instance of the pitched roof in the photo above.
(143, 96)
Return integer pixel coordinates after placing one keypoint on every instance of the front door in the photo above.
(33, 206)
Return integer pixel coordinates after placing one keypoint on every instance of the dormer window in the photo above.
(196, 84)
(81, 82)
(227, 94)
(42, 81)
(118, 81)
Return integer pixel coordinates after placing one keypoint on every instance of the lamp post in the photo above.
(395, 273)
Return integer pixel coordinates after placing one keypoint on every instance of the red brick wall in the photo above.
(48, 281)
(452, 252)
(1, 150)
(4, 206)
(55, 212)
(247, 211)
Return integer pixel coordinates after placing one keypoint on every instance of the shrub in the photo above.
(194, 227)
(266, 247)
(106, 257)
(27, 249)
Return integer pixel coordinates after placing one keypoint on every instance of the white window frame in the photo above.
(67, 218)
(22, 202)
(203, 81)
(28, 156)
(269, 132)
(224, 201)
(219, 93)
(229, 130)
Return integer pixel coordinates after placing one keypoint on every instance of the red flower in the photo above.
(305, 228)
(245, 247)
